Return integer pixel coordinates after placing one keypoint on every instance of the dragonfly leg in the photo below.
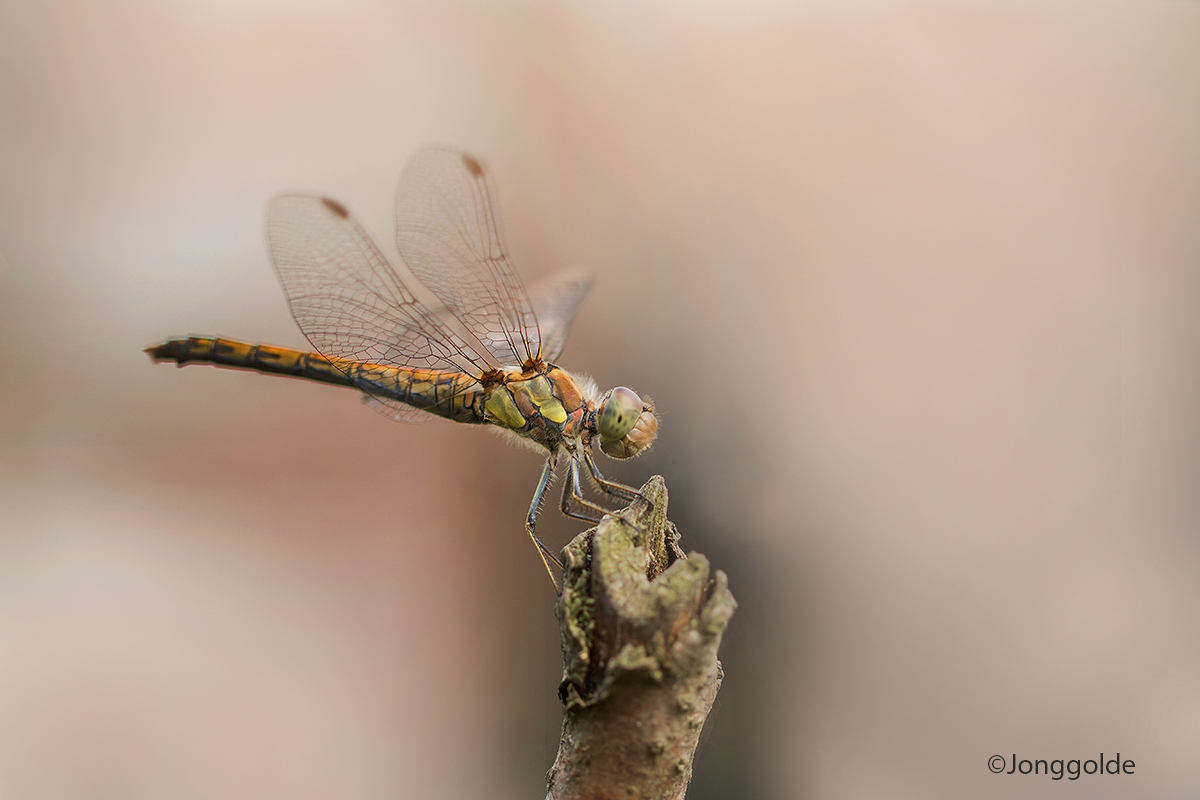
(611, 487)
(572, 492)
(531, 519)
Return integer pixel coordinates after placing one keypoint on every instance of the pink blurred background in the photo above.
(915, 286)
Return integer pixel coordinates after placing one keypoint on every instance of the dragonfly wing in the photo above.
(347, 299)
(449, 233)
(394, 409)
(555, 300)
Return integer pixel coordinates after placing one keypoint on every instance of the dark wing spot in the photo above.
(473, 166)
(336, 207)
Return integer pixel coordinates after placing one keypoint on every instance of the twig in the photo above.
(640, 624)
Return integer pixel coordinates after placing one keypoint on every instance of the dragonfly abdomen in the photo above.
(446, 394)
(452, 395)
(244, 355)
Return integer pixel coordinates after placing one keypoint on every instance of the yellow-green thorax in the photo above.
(544, 405)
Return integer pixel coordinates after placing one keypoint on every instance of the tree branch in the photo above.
(640, 624)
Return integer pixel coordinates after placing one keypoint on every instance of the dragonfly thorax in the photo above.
(545, 406)
(550, 407)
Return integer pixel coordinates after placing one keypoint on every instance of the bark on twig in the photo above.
(640, 624)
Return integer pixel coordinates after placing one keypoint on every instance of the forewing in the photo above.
(555, 300)
(345, 296)
(449, 233)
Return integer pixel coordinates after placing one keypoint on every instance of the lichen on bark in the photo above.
(640, 624)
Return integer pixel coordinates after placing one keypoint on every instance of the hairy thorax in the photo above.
(545, 406)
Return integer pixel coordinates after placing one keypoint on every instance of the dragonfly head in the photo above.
(625, 422)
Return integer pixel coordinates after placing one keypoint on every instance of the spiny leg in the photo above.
(611, 487)
(531, 518)
(571, 491)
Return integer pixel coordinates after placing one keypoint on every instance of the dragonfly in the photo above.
(486, 356)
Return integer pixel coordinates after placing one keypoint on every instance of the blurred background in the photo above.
(915, 286)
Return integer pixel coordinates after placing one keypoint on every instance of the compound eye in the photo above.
(620, 413)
